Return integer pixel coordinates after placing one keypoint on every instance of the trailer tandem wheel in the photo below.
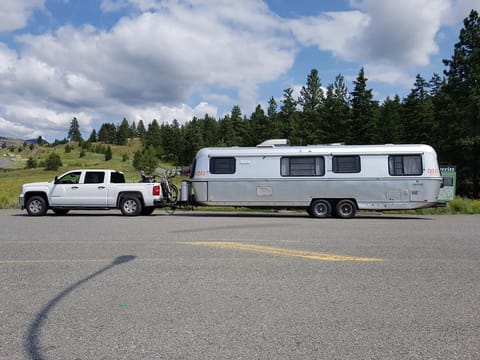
(320, 208)
(346, 209)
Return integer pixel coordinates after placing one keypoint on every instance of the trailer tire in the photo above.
(130, 206)
(346, 209)
(320, 208)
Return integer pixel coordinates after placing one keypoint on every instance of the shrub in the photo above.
(53, 162)
(108, 154)
(476, 206)
(31, 163)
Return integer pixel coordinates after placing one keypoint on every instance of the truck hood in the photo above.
(37, 184)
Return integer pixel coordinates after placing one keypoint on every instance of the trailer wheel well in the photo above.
(334, 201)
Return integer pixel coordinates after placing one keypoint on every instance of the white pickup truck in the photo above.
(91, 189)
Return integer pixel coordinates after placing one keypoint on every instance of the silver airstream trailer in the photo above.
(326, 180)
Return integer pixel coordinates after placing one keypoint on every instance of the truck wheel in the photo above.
(320, 208)
(131, 206)
(346, 209)
(36, 206)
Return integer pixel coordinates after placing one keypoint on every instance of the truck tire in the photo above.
(320, 208)
(36, 206)
(131, 206)
(346, 209)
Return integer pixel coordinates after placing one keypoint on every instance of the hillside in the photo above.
(6, 142)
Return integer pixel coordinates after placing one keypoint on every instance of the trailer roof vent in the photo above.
(274, 143)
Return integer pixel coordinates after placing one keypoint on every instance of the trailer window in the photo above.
(222, 165)
(302, 166)
(346, 164)
(403, 165)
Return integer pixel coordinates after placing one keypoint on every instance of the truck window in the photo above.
(403, 165)
(94, 177)
(117, 178)
(346, 164)
(302, 166)
(222, 165)
(70, 178)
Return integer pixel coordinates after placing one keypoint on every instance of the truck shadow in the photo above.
(32, 341)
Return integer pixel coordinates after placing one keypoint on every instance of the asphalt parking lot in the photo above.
(97, 285)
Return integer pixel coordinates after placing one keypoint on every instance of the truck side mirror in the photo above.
(56, 180)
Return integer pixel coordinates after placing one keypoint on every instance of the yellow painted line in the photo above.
(281, 252)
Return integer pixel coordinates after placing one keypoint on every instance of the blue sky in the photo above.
(103, 60)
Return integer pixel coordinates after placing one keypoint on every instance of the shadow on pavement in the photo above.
(32, 342)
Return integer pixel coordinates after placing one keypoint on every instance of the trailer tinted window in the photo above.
(346, 164)
(302, 166)
(403, 165)
(222, 165)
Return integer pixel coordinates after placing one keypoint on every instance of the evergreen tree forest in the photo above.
(443, 111)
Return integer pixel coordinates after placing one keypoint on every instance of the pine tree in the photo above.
(312, 99)
(290, 118)
(418, 121)
(209, 126)
(123, 132)
(93, 137)
(390, 121)
(273, 122)
(462, 91)
(74, 131)
(108, 133)
(336, 112)
(260, 130)
(363, 125)
(141, 131)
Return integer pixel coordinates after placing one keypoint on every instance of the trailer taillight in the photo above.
(156, 190)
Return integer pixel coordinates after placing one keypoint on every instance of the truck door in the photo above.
(66, 188)
(72, 190)
(93, 190)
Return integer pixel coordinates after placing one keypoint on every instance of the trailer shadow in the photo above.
(298, 215)
(233, 214)
(32, 341)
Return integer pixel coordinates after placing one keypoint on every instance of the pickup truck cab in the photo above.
(91, 189)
